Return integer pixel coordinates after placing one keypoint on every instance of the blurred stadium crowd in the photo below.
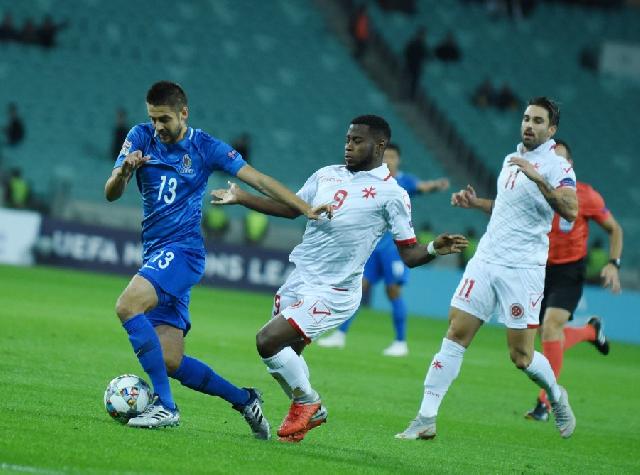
(281, 79)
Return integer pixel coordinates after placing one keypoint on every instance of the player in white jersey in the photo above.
(326, 286)
(506, 274)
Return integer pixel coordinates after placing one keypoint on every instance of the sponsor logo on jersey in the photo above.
(185, 166)
(517, 311)
(330, 178)
(298, 304)
(232, 154)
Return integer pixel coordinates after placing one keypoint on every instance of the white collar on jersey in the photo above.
(542, 148)
(381, 172)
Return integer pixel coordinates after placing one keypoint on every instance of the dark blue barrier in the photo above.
(79, 246)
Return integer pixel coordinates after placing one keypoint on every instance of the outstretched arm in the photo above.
(235, 195)
(415, 254)
(277, 192)
(467, 198)
(610, 275)
(562, 200)
(429, 186)
(117, 182)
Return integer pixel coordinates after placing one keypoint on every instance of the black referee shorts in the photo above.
(563, 286)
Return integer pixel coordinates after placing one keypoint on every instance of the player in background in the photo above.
(385, 263)
(506, 274)
(565, 278)
(326, 286)
(172, 163)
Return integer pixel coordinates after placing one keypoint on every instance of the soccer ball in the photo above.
(126, 397)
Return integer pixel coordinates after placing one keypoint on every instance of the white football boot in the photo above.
(337, 339)
(564, 417)
(252, 413)
(156, 415)
(419, 428)
(397, 349)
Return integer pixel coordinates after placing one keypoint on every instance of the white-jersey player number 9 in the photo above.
(340, 196)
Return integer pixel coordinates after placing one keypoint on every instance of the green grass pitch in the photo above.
(60, 344)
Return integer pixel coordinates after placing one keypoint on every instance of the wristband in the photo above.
(431, 250)
(615, 262)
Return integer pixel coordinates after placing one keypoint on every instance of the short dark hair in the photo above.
(550, 105)
(566, 146)
(167, 93)
(394, 146)
(377, 125)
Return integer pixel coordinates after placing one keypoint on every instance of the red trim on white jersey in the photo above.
(406, 242)
(339, 289)
(388, 176)
(531, 325)
(297, 328)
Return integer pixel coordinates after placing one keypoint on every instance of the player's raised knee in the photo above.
(264, 343)
(124, 309)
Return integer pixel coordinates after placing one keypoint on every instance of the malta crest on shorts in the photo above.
(185, 165)
(517, 311)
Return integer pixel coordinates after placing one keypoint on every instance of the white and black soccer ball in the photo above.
(126, 396)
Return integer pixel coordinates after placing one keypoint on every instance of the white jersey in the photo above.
(366, 204)
(516, 235)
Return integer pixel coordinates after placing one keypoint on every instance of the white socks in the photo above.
(443, 370)
(541, 373)
(292, 373)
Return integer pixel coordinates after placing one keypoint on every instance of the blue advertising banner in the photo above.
(80, 246)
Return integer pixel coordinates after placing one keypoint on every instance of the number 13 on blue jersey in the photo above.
(171, 185)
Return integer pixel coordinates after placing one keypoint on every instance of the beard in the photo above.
(365, 164)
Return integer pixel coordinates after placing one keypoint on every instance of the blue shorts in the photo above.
(173, 270)
(385, 262)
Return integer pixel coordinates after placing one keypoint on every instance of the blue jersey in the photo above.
(410, 184)
(172, 183)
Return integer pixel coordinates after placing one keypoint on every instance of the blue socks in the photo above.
(196, 375)
(147, 347)
(399, 313)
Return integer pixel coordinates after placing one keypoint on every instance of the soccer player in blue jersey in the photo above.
(172, 163)
(385, 263)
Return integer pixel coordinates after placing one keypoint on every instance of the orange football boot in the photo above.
(298, 418)
(320, 417)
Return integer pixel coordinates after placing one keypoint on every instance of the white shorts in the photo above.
(313, 310)
(514, 294)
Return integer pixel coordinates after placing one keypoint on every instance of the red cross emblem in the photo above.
(437, 365)
(369, 192)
